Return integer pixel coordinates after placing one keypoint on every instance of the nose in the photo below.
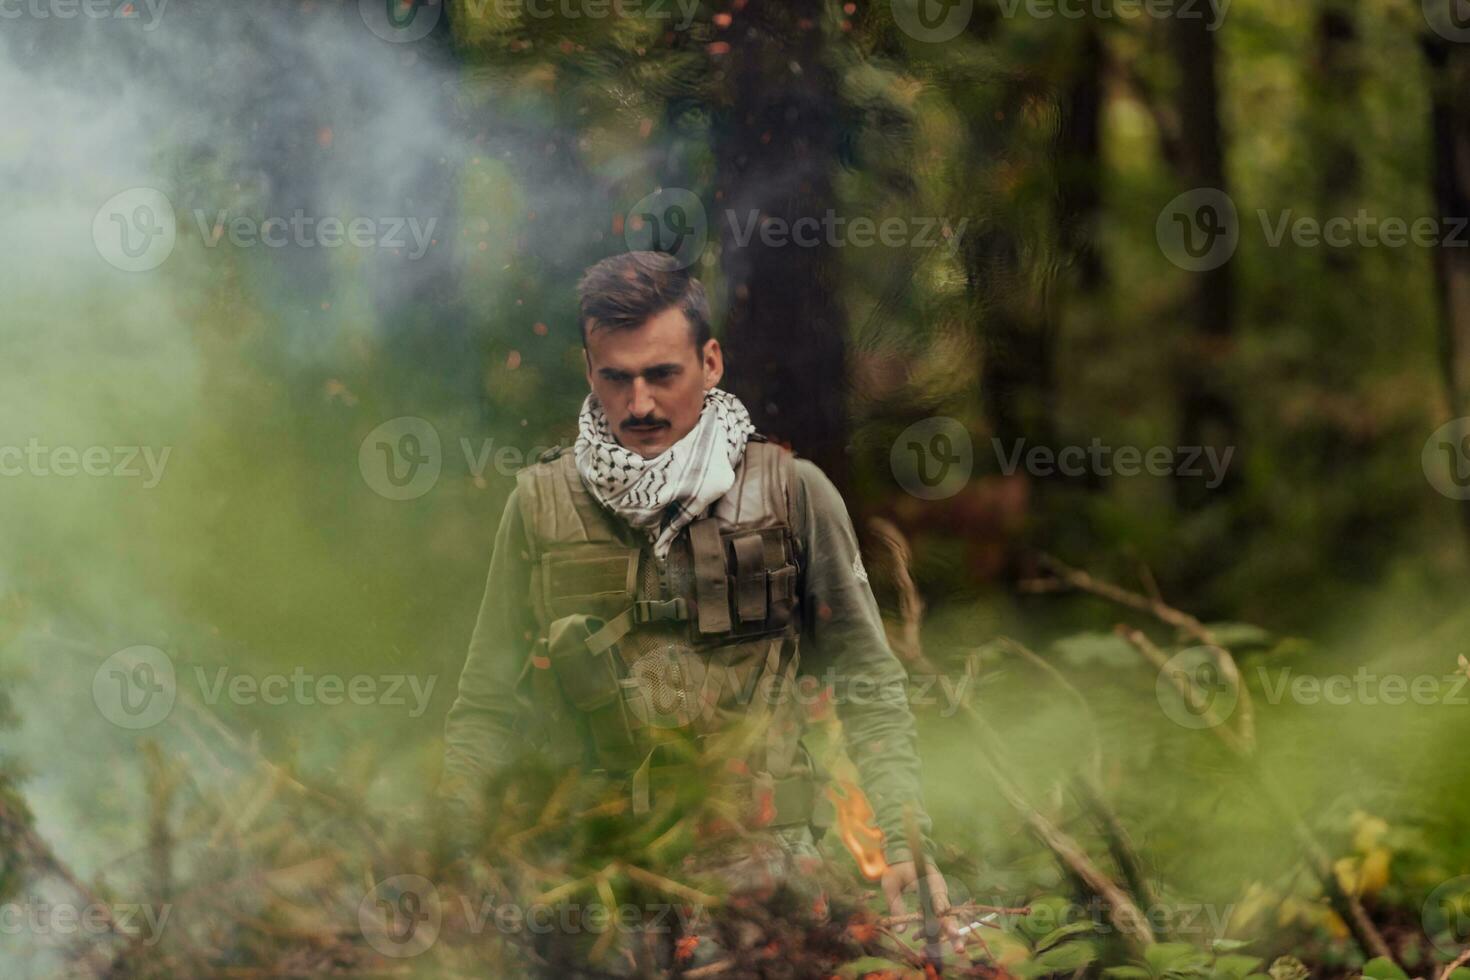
(641, 404)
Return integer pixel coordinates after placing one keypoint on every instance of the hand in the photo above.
(902, 878)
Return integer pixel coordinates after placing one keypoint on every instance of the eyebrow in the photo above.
(612, 374)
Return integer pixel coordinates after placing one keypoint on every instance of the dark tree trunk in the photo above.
(1208, 413)
(775, 142)
(1079, 162)
(1337, 74)
(1450, 122)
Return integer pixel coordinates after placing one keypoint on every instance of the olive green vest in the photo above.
(663, 665)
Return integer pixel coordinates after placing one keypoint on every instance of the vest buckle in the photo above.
(654, 611)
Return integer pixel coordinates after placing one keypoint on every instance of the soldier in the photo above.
(669, 566)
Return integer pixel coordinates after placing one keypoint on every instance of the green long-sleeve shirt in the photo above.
(842, 642)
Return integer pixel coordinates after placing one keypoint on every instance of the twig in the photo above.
(910, 602)
(1121, 908)
(1455, 964)
(668, 887)
(1078, 579)
(1234, 742)
(1120, 844)
(964, 908)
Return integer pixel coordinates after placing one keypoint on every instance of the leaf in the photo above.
(1104, 649)
(1062, 934)
(1228, 945)
(1127, 973)
(1236, 965)
(1066, 958)
(1174, 957)
(1382, 968)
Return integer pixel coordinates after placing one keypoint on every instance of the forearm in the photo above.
(870, 687)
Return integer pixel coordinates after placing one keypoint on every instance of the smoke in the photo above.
(221, 220)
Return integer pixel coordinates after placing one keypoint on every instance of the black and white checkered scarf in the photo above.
(663, 494)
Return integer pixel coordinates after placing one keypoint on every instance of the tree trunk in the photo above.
(1450, 122)
(775, 142)
(1079, 162)
(1208, 415)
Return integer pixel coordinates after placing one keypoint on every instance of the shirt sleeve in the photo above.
(870, 686)
(480, 732)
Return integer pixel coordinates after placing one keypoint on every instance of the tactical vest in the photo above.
(660, 666)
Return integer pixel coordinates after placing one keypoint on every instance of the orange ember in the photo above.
(858, 829)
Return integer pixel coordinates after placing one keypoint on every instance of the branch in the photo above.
(1455, 964)
(1078, 579)
(1121, 908)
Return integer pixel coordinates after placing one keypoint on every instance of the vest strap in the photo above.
(674, 610)
(711, 588)
(750, 578)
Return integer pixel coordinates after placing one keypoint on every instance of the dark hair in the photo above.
(624, 291)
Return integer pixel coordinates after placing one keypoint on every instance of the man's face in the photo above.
(651, 380)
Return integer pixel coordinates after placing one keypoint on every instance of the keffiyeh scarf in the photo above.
(663, 494)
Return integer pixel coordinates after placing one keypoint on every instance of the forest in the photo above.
(1134, 334)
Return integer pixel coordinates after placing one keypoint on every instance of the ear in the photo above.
(587, 356)
(713, 362)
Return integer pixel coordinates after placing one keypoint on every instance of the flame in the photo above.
(857, 827)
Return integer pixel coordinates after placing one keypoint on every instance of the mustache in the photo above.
(633, 420)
